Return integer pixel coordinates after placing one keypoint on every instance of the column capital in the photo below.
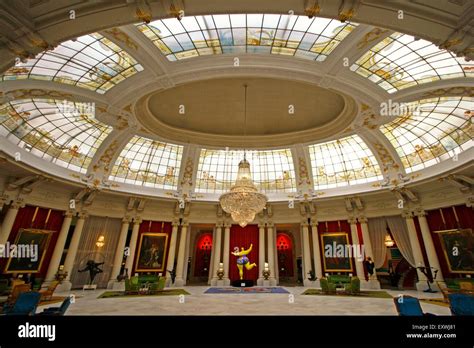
(304, 223)
(261, 224)
(352, 220)
(362, 219)
(420, 213)
(83, 215)
(184, 223)
(137, 220)
(18, 203)
(175, 223)
(314, 223)
(470, 201)
(406, 214)
(69, 213)
(219, 224)
(227, 225)
(270, 224)
(4, 199)
(126, 219)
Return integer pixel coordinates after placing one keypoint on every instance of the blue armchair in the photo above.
(26, 304)
(461, 304)
(408, 306)
(59, 311)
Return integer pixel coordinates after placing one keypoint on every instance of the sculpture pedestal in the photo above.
(64, 286)
(116, 285)
(244, 283)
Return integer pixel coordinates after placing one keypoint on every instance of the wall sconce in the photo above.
(389, 241)
(100, 242)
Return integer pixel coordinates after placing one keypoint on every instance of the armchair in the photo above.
(461, 304)
(353, 287)
(326, 286)
(132, 285)
(16, 291)
(26, 304)
(47, 294)
(408, 306)
(58, 311)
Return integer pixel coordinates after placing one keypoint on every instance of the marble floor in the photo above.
(198, 303)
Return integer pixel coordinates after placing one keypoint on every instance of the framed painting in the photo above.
(29, 238)
(336, 252)
(152, 252)
(458, 249)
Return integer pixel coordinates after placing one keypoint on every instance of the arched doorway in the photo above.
(202, 258)
(286, 262)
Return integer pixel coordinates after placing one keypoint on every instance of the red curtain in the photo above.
(157, 227)
(285, 255)
(334, 226)
(203, 255)
(445, 219)
(243, 237)
(24, 219)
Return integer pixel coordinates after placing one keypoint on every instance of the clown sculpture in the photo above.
(243, 260)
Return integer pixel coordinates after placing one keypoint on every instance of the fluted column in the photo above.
(72, 251)
(416, 249)
(306, 253)
(181, 255)
(172, 252)
(373, 283)
(226, 253)
(9, 220)
(119, 251)
(261, 252)
(318, 269)
(271, 253)
(358, 259)
(429, 245)
(217, 252)
(59, 247)
(133, 245)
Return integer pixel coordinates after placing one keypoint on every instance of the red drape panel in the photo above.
(243, 237)
(447, 221)
(334, 226)
(24, 220)
(153, 226)
(466, 216)
(203, 255)
(285, 255)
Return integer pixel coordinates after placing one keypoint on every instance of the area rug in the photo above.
(170, 292)
(252, 290)
(436, 301)
(373, 294)
(53, 300)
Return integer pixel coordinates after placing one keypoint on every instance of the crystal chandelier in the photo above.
(243, 201)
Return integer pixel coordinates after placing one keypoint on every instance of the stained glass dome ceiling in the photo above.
(65, 133)
(90, 61)
(401, 61)
(291, 35)
(77, 136)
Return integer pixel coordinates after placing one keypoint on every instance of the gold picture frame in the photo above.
(25, 235)
(152, 252)
(335, 236)
(462, 238)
